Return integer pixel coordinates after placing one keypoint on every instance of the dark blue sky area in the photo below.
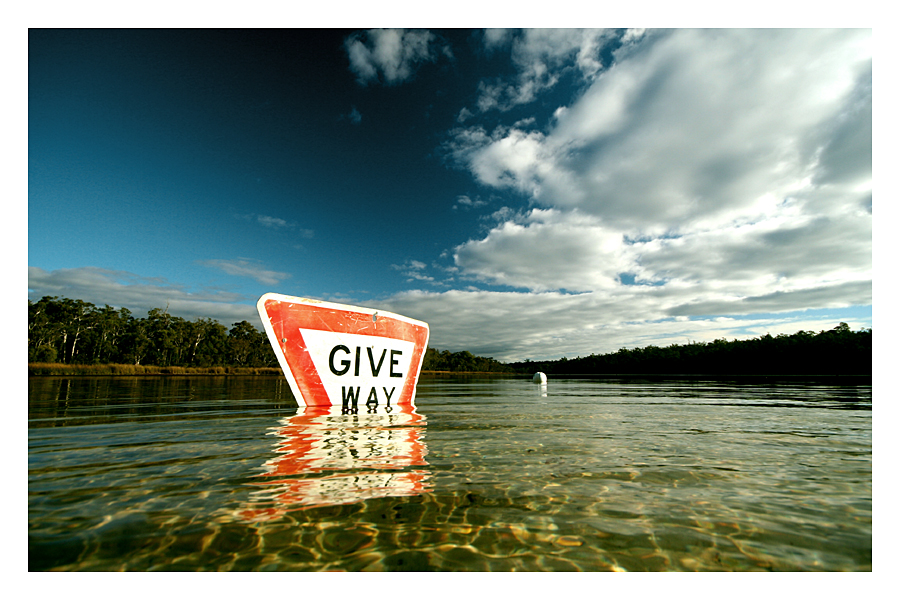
(147, 146)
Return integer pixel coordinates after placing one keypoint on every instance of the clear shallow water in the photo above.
(486, 474)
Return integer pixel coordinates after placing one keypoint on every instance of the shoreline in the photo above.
(118, 370)
(62, 370)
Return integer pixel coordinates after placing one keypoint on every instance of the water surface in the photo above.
(486, 474)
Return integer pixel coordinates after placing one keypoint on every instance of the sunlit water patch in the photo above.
(486, 474)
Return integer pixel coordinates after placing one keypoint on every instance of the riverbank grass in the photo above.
(118, 369)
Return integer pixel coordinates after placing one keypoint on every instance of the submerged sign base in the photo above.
(339, 355)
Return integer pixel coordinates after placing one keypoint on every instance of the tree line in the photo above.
(62, 330)
(66, 331)
(465, 361)
(839, 351)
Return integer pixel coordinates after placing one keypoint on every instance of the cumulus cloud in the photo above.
(496, 38)
(693, 126)
(700, 135)
(541, 57)
(392, 55)
(702, 174)
(246, 268)
(506, 158)
(123, 289)
(548, 250)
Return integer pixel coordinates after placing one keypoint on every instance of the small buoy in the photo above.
(539, 378)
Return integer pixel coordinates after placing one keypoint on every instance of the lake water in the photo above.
(486, 474)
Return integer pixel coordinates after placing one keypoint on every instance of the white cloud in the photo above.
(413, 270)
(246, 268)
(541, 57)
(633, 35)
(702, 133)
(693, 125)
(548, 250)
(495, 39)
(704, 173)
(466, 202)
(509, 157)
(512, 326)
(122, 289)
(394, 54)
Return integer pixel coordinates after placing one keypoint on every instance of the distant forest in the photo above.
(839, 351)
(465, 361)
(65, 331)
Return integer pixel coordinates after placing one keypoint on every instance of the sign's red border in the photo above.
(286, 317)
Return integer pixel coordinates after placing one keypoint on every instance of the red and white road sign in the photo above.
(348, 356)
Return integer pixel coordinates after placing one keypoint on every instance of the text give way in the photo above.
(359, 368)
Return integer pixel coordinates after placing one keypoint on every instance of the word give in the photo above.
(345, 364)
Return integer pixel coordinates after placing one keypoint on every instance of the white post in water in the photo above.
(539, 378)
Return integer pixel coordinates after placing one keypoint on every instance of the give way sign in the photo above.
(339, 355)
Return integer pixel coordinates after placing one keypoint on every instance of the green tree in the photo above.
(42, 331)
(241, 341)
(207, 343)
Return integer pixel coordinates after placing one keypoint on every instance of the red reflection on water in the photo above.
(327, 457)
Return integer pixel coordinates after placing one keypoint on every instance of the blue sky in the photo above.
(528, 193)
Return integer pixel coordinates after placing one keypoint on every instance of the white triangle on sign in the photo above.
(367, 369)
(339, 355)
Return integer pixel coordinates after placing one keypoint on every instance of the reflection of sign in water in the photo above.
(329, 456)
(333, 354)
